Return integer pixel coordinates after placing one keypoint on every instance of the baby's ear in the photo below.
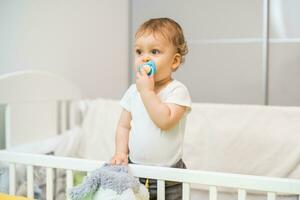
(176, 61)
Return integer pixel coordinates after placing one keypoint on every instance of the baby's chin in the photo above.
(162, 79)
(158, 80)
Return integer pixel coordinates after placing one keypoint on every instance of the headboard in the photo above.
(36, 105)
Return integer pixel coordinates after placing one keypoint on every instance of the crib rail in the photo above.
(213, 180)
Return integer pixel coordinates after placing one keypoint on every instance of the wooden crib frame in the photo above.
(213, 180)
(67, 96)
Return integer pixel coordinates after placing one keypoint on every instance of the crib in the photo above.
(66, 99)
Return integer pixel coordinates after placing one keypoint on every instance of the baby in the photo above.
(152, 123)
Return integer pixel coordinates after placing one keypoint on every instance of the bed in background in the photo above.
(36, 106)
(61, 100)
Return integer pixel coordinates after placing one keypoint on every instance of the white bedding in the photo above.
(244, 139)
(255, 140)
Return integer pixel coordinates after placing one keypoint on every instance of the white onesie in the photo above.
(148, 144)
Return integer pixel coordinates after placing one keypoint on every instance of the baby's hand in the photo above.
(119, 159)
(143, 81)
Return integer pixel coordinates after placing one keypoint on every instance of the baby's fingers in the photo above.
(118, 161)
(125, 161)
(113, 161)
(143, 71)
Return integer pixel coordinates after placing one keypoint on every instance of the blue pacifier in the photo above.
(149, 66)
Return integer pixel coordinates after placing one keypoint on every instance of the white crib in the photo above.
(67, 98)
(213, 180)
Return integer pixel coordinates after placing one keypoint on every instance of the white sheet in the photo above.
(255, 140)
(244, 139)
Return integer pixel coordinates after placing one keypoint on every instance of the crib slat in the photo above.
(30, 181)
(213, 193)
(12, 178)
(271, 196)
(7, 125)
(186, 189)
(160, 189)
(69, 180)
(72, 114)
(242, 194)
(49, 187)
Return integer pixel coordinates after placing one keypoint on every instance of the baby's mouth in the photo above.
(149, 66)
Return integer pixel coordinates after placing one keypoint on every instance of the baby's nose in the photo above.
(146, 59)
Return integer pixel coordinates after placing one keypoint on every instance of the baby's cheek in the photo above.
(157, 64)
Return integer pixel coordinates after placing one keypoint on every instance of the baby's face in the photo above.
(158, 49)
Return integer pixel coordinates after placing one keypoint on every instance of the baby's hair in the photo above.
(169, 29)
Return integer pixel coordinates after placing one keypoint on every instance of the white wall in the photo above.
(85, 41)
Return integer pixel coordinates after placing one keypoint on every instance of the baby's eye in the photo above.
(155, 51)
(138, 51)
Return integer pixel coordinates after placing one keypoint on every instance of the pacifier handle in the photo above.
(149, 66)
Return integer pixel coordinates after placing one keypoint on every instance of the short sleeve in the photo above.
(126, 99)
(179, 95)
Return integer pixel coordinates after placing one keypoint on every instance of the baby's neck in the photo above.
(159, 85)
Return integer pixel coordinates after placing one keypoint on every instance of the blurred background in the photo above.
(240, 52)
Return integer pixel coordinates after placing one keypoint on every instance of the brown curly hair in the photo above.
(170, 29)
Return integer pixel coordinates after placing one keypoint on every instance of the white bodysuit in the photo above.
(148, 144)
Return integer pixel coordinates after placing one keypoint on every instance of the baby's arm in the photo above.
(122, 135)
(164, 115)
